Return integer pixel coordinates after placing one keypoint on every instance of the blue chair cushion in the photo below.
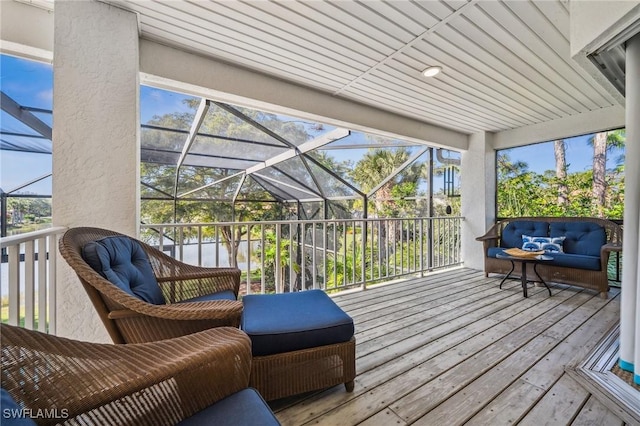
(221, 295)
(585, 238)
(278, 323)
(513, 232)
(578, 261)
(12, 413)
(245, 408)
(123, 262)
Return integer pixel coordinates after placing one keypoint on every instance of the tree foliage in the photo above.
(597, 192)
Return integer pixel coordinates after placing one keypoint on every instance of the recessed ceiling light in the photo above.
(431, 71)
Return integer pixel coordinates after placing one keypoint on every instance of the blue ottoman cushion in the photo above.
(278, 323)
(245, 408)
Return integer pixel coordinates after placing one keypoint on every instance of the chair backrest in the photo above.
(123, 262)
(99, 290)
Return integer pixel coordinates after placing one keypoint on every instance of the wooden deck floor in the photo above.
(452, 348)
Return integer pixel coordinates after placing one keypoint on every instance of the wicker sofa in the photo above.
(588, 243)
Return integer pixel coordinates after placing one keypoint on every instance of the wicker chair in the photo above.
(129, 319)
(158, 383)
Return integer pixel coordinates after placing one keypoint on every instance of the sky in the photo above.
(31, 84)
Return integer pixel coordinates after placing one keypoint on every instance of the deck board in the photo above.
(452, 348)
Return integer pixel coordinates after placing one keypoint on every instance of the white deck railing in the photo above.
(28, 279)
(325, 254)
(280, 256)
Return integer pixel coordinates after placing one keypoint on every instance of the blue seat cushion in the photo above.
(123, 262)
(584, 238)
(12, 413)
(577, 261)
(513, 232)
(245, 408)
(494, 250)
(221, 295)
(562, 259)
(278, 323)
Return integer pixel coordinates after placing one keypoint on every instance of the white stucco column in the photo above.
(95, 138)
(478, 182)
(630, 300)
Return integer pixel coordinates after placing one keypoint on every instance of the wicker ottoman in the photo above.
(300, 342)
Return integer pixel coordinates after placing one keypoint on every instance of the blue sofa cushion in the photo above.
(278, 323)
(577, 261)
(124, 263)
(494, 250)
(585, 238)
(221, 295)
(512, 233)
(12, 413)
(562, 259)
(242, 408)
(548, 244)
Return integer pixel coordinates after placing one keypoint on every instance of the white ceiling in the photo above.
(506, 64)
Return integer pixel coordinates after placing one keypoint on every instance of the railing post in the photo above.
(248, 259)
(364, 254)
(14, 284)
(430, 244)
(29, 284)
(277, 266)
(421, 247)
(43, 282)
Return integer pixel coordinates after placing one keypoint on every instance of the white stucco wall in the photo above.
(478, 201)
(95, 138)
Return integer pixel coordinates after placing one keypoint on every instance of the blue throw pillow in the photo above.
(548, 244)
(123, 262)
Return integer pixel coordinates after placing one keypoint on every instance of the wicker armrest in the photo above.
(153, 383)
(201, 272)
(198, 281)
(611, 247)
(214, 309)
(488, 237)
(492, 234)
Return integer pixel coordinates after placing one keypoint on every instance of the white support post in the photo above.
(478, 200)
(630, 302)
(95, 138)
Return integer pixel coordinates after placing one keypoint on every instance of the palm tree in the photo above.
(602, 143)
(559, 150)
(376, 165)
